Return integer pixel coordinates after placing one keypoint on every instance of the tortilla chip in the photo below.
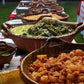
(11, 77)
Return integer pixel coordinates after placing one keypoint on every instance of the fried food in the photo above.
(36, 17)
(67, 68)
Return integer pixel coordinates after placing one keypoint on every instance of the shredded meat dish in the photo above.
(36, 17)
(67, 68)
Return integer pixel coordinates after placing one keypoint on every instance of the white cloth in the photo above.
(15, 62)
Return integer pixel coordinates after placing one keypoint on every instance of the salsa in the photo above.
(3, 53)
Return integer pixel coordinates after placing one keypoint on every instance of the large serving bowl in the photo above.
(50, 51)
(57, 9)
(64, 17)
(32, 43)
(53, 9)
(6, 53)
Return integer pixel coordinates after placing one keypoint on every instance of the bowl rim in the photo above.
(22, 71)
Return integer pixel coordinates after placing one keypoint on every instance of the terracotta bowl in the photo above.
(50, 51)
(34, 10)
(65, 17)
(57, 9)
(26, 21)
(6, 53)
(48, 4)
(32, 43)
(52, 8)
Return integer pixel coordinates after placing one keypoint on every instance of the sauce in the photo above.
(4, 54)
(20, 29)
(42, 29)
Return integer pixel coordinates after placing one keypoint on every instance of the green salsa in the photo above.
(4, 53)
(20, 30)
(42, 29)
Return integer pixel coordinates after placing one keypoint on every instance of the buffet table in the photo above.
(15, 71)
(15, 62)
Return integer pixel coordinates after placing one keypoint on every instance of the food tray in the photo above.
(65, 17)
(38, 7)
(26, 21)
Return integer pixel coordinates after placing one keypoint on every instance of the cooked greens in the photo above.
(42, 29)
(47, 30)
(19, 15)
(4, 53)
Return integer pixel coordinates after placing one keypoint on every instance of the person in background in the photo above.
(3, 2)
(80, 14)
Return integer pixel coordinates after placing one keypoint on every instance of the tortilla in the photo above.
(11, 77)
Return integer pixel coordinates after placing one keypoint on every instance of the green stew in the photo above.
(4, 53)
(42, 29)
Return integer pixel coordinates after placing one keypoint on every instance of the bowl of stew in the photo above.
(61, 64)
(34, 18)
(31, 37)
